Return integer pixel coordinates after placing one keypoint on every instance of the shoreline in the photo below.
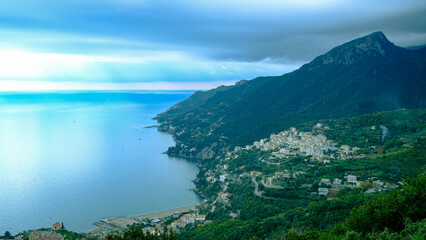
(122, 222)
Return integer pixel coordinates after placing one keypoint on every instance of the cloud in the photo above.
(186, 39)
(31, 86)
(147, 67)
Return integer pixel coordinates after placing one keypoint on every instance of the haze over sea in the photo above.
(78, 157)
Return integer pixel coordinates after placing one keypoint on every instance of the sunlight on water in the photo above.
(80, 157)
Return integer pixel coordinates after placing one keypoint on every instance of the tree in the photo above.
(136, 232)
(7, 235)
(62, 226)
(392, 210)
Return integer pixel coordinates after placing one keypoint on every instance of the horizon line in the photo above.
(12, 86)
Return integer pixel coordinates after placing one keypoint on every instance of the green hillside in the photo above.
(366, 75)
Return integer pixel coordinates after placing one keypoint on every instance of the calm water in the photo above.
(80, 157)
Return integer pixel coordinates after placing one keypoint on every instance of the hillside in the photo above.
(351, 178)
(311, 177)
(366, 75)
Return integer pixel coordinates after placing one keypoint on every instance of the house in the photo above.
(211, 179)
(35, 235)
(45, 235)
(323, 191)
(351, 178)
(256, 174)
(337, 181)
(56, 226)
(326, 181)
(345, 148)
(51, 238)
(188, 218)
(222, 178)
(201, 217)
(178, 223)
(226, 195)
(233, 215)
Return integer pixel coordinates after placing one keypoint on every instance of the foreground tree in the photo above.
(7, 235)
(137, 233)
(392, 210)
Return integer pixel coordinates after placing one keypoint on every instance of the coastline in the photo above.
(122, 222)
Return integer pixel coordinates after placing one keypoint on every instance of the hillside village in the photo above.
(277, 153)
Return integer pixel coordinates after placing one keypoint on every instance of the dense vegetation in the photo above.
(292, 212)
(136, 233)
(400, 214)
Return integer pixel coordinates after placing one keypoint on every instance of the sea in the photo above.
(78, 157)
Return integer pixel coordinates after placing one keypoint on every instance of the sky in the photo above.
(183, 44)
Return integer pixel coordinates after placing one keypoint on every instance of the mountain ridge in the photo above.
(365, 75)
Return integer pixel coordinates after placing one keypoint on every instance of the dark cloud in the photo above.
(220, 32)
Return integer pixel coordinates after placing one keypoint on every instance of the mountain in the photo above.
(366, 75)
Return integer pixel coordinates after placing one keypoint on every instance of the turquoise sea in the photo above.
(77, 157)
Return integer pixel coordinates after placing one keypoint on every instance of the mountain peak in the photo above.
(372, 41)
(373, 45)
(378, 35)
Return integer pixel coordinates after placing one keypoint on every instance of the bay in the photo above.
(78, 157)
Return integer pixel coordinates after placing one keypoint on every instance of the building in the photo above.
(45, 235)
(51, 238)
(337, 181)
(323, 191)
(35, 235)
(326, 181)
(178, 223)
(226, 195)
(351, 178)
(56, 226)
(345, 147)
(201, 217)
(188, 218)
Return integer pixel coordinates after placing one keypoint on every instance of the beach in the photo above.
(122, 222)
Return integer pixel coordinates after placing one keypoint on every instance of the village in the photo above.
(316, 151)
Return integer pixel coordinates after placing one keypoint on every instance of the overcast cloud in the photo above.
(131, 40)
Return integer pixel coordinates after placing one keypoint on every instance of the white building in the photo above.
(351, 178)
(337, 181)
(323, 191)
